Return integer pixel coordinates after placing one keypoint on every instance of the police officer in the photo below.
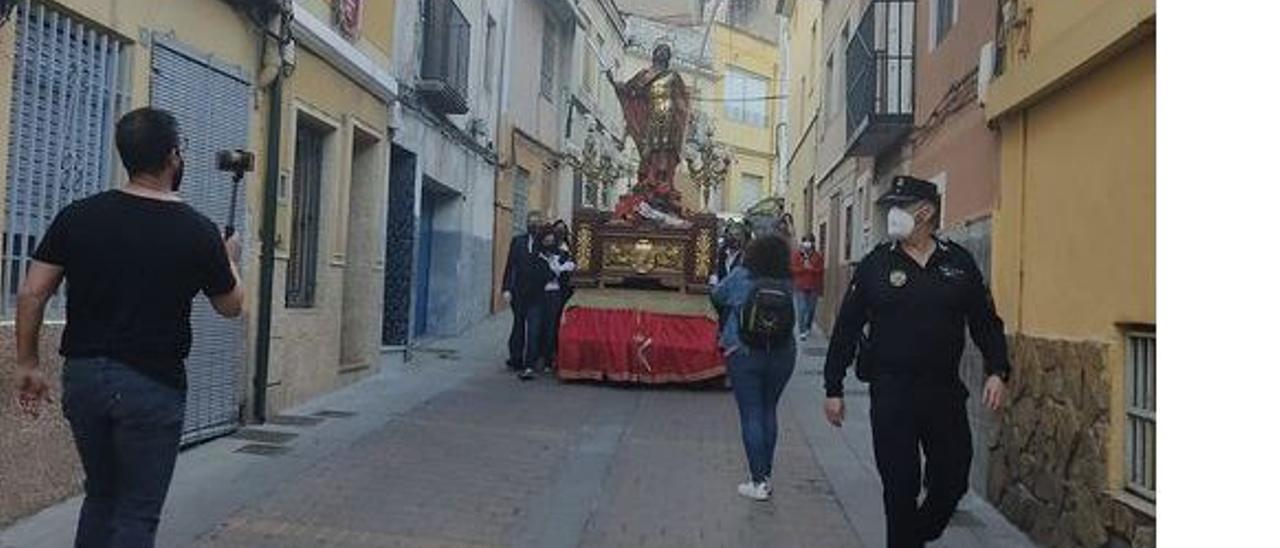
(904, 314)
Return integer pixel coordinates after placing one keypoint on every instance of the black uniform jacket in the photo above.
(907, 321)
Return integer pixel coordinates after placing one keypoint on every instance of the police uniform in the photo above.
(906, 324)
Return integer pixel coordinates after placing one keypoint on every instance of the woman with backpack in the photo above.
(758, 343)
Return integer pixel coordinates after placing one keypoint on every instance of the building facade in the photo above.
(1073, 261)
(440, 213)
(331, 198)
(803, 18)
(842, 216)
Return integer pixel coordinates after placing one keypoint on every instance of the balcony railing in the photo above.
(880, 73)
(446, 50)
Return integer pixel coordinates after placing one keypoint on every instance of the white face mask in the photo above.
(901, 224)
(808, 246)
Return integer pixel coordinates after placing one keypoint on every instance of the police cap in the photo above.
(907, 190)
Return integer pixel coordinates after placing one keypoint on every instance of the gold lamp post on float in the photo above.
(598, 164)
(708, 161)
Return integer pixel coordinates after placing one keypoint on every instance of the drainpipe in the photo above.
(267, 254)
(267, 257)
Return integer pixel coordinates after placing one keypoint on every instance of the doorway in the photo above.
(398, 277)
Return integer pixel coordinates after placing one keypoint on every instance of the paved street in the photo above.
(450, 451)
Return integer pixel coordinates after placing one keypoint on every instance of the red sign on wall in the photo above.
(347, 13)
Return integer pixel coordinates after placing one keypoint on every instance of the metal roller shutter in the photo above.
(67, 94)
(212, 103)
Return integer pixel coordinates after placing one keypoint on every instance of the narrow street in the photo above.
(451, 451)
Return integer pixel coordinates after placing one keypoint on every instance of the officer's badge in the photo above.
(897, 278)
(951, 272)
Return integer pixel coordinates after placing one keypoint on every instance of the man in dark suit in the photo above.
(729, 256)
(518, 260)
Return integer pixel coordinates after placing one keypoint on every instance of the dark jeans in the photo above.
(543, 328)
(515, 342)
(758, 378)
(806, 304)
(127, 428)
(904, 420)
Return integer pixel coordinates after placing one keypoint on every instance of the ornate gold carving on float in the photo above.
(644, 256)
(702, 254)
(583, 254)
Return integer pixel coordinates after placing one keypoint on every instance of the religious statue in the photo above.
(655, 104)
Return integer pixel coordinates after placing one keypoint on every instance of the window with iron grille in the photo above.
(446, 54)
(1140, 413)
(944, 17)
(548, 74)
(69, 87)
(304, 246)
(822, 239)
(744, 94)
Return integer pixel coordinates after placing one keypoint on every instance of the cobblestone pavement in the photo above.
(481, 459)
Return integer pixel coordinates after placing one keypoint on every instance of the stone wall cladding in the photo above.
(38, 461)
(1048, 470)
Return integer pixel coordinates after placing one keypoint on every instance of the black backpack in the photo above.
(769, 315)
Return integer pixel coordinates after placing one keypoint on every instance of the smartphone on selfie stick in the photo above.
(237, 162)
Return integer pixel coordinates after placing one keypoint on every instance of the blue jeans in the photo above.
(127, 427)
(806, 304)
(758, 377)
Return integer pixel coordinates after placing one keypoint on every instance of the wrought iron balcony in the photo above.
(880, 77)
(446, 47)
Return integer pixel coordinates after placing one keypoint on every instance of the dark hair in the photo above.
(768, 257)
(808, 238)
(144, 138)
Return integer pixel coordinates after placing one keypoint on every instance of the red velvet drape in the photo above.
(637, 346)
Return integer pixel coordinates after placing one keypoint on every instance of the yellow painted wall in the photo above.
(1074, 233)
(306, 343)
(805, 35)
(377, 25)
(753, 146)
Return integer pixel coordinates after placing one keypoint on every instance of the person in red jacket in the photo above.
(806, 273)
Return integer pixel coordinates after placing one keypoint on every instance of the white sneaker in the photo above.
(755, 491)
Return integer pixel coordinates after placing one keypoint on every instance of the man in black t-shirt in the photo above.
(133, 260)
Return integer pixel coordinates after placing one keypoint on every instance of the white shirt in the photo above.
(557, 267)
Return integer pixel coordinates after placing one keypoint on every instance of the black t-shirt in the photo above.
(132, 265)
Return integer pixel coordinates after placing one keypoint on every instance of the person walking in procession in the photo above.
(760, 347)
(133, 260)
(519, 254)
(916, 294)
(565, 280)
(541, 288)
(807, 269)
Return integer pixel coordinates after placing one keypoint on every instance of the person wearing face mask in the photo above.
(728, 257)
(516, 270)
(807, 268)
(541, 289)
(564, 249)
(904, 315)
(133, 259)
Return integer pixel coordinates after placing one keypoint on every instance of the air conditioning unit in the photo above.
(986, 70)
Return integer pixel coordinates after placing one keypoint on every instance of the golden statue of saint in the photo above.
(655, 103)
